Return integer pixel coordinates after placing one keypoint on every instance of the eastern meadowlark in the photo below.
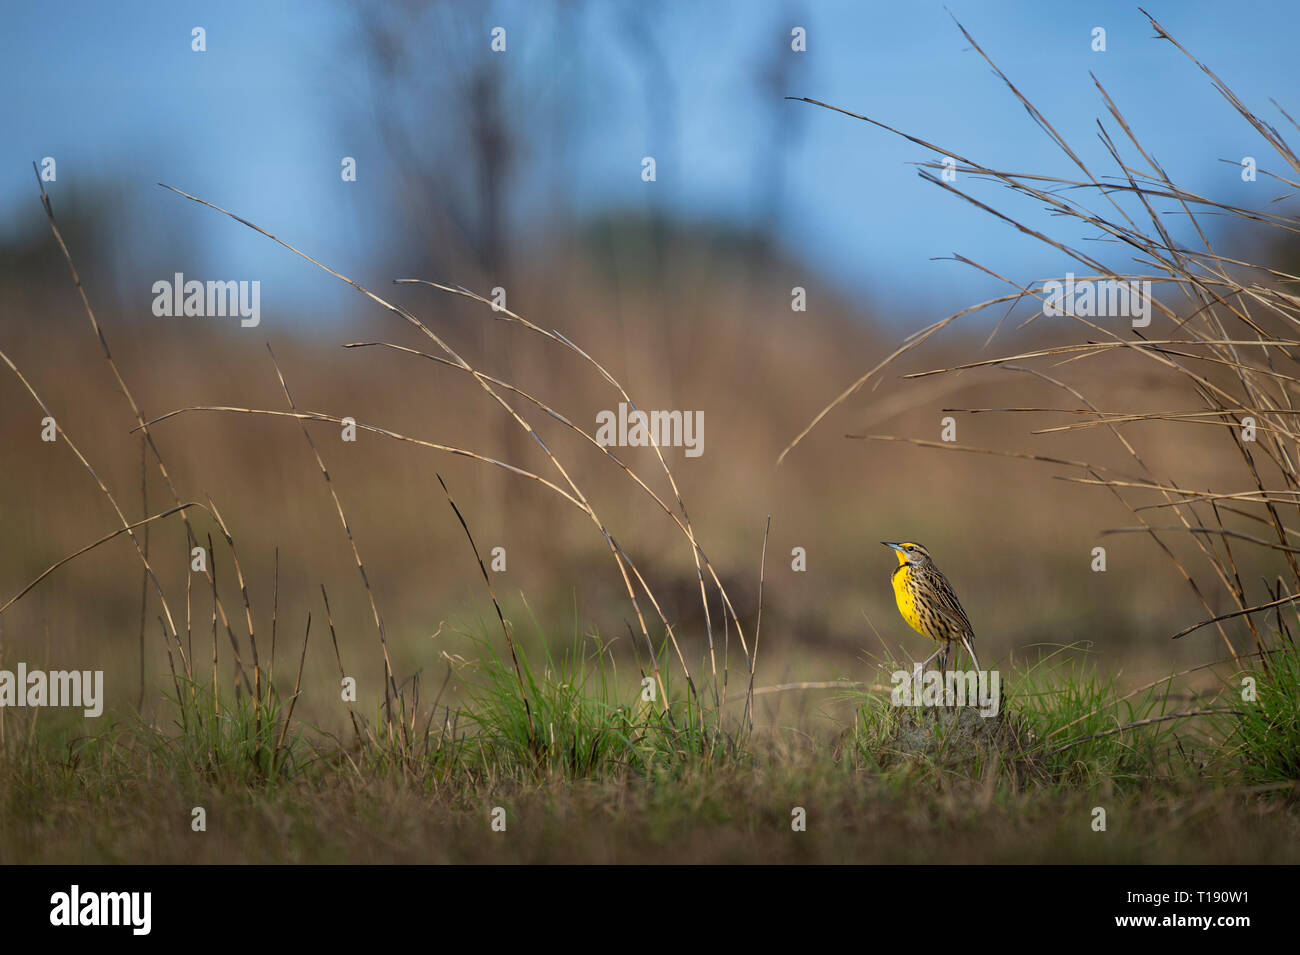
(927, 603)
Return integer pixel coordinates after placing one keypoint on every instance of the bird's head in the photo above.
(910, 553)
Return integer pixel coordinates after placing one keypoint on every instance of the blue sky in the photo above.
(260, 121)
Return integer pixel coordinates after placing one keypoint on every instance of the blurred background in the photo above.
(523, 168)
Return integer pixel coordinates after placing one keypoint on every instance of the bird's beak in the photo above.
(897, 547)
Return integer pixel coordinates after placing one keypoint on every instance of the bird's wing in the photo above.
(951, 609)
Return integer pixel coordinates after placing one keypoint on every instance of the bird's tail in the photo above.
(966, 642)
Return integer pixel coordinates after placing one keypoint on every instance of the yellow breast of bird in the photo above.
(906, 599)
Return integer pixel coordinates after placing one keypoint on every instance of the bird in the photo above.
(927, 602)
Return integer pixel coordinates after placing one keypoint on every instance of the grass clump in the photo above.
(1062, 724)
(236, 739)
(584, 722)
(934, 742)
(1263, 735)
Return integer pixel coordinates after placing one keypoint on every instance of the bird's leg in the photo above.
(931, 657)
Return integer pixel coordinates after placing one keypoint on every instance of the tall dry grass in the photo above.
(705, 704)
